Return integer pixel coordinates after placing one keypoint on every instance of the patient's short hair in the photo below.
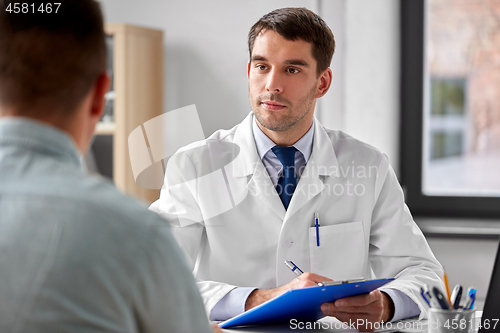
(298, 23)
(51, 66)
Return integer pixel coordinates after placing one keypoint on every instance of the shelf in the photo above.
(135, 63)
(105, 128)
(110, 95)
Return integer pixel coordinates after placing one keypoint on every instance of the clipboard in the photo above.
(304, 304)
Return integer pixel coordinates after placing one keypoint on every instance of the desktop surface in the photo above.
(407, 326)
(331, 325)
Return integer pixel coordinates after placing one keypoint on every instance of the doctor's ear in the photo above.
(325, 80)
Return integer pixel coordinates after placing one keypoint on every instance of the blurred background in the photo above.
(206, 55)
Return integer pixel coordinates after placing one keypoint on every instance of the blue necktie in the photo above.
(288, 180)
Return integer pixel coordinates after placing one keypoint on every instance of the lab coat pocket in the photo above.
(341, 250)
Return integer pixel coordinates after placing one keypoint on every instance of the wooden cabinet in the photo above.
(135, 64)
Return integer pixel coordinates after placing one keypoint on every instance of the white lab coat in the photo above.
(234, 230)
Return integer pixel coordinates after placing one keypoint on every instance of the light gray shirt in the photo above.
(78, 256)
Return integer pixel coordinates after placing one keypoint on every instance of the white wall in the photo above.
(364, 100)
(372, 74)
(206, 56)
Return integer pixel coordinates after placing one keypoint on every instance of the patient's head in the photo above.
(48, 69)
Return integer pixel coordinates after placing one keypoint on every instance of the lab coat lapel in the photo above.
(249, 163)
(308, 187)
(322, 163)
(261, 186)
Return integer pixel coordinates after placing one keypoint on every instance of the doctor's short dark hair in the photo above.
(50, 61)
(298, 23)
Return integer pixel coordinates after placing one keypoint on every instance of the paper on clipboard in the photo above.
(301, 304)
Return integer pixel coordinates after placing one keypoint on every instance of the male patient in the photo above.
(75, 254)
(278, 168)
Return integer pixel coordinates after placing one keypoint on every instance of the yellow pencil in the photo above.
(447, 286)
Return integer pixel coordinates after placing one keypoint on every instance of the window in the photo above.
(450, 103)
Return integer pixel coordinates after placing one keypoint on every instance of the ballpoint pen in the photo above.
(441, 299)
(294, 268)
(471, 297)
(456, 295)
(316, 224)
(424, 297)
(433, 302)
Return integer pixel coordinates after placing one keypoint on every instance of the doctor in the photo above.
(243, 201)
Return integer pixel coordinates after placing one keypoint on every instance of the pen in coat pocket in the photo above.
(316, 224)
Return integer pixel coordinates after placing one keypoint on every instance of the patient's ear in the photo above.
(100, 88)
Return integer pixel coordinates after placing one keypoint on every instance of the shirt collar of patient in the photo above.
(264, 144)
(30, 133)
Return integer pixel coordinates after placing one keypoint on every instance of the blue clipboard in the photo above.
(301, 304)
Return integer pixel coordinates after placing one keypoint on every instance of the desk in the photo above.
(332, 325)
(407, 326)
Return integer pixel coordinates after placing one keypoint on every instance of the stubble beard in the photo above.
(287, 120)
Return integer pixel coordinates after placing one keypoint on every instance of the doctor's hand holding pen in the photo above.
(260, 296)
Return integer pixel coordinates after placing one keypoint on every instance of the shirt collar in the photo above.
(32, 134)
(264, 144)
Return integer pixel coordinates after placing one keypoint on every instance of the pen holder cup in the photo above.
(451, 321)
